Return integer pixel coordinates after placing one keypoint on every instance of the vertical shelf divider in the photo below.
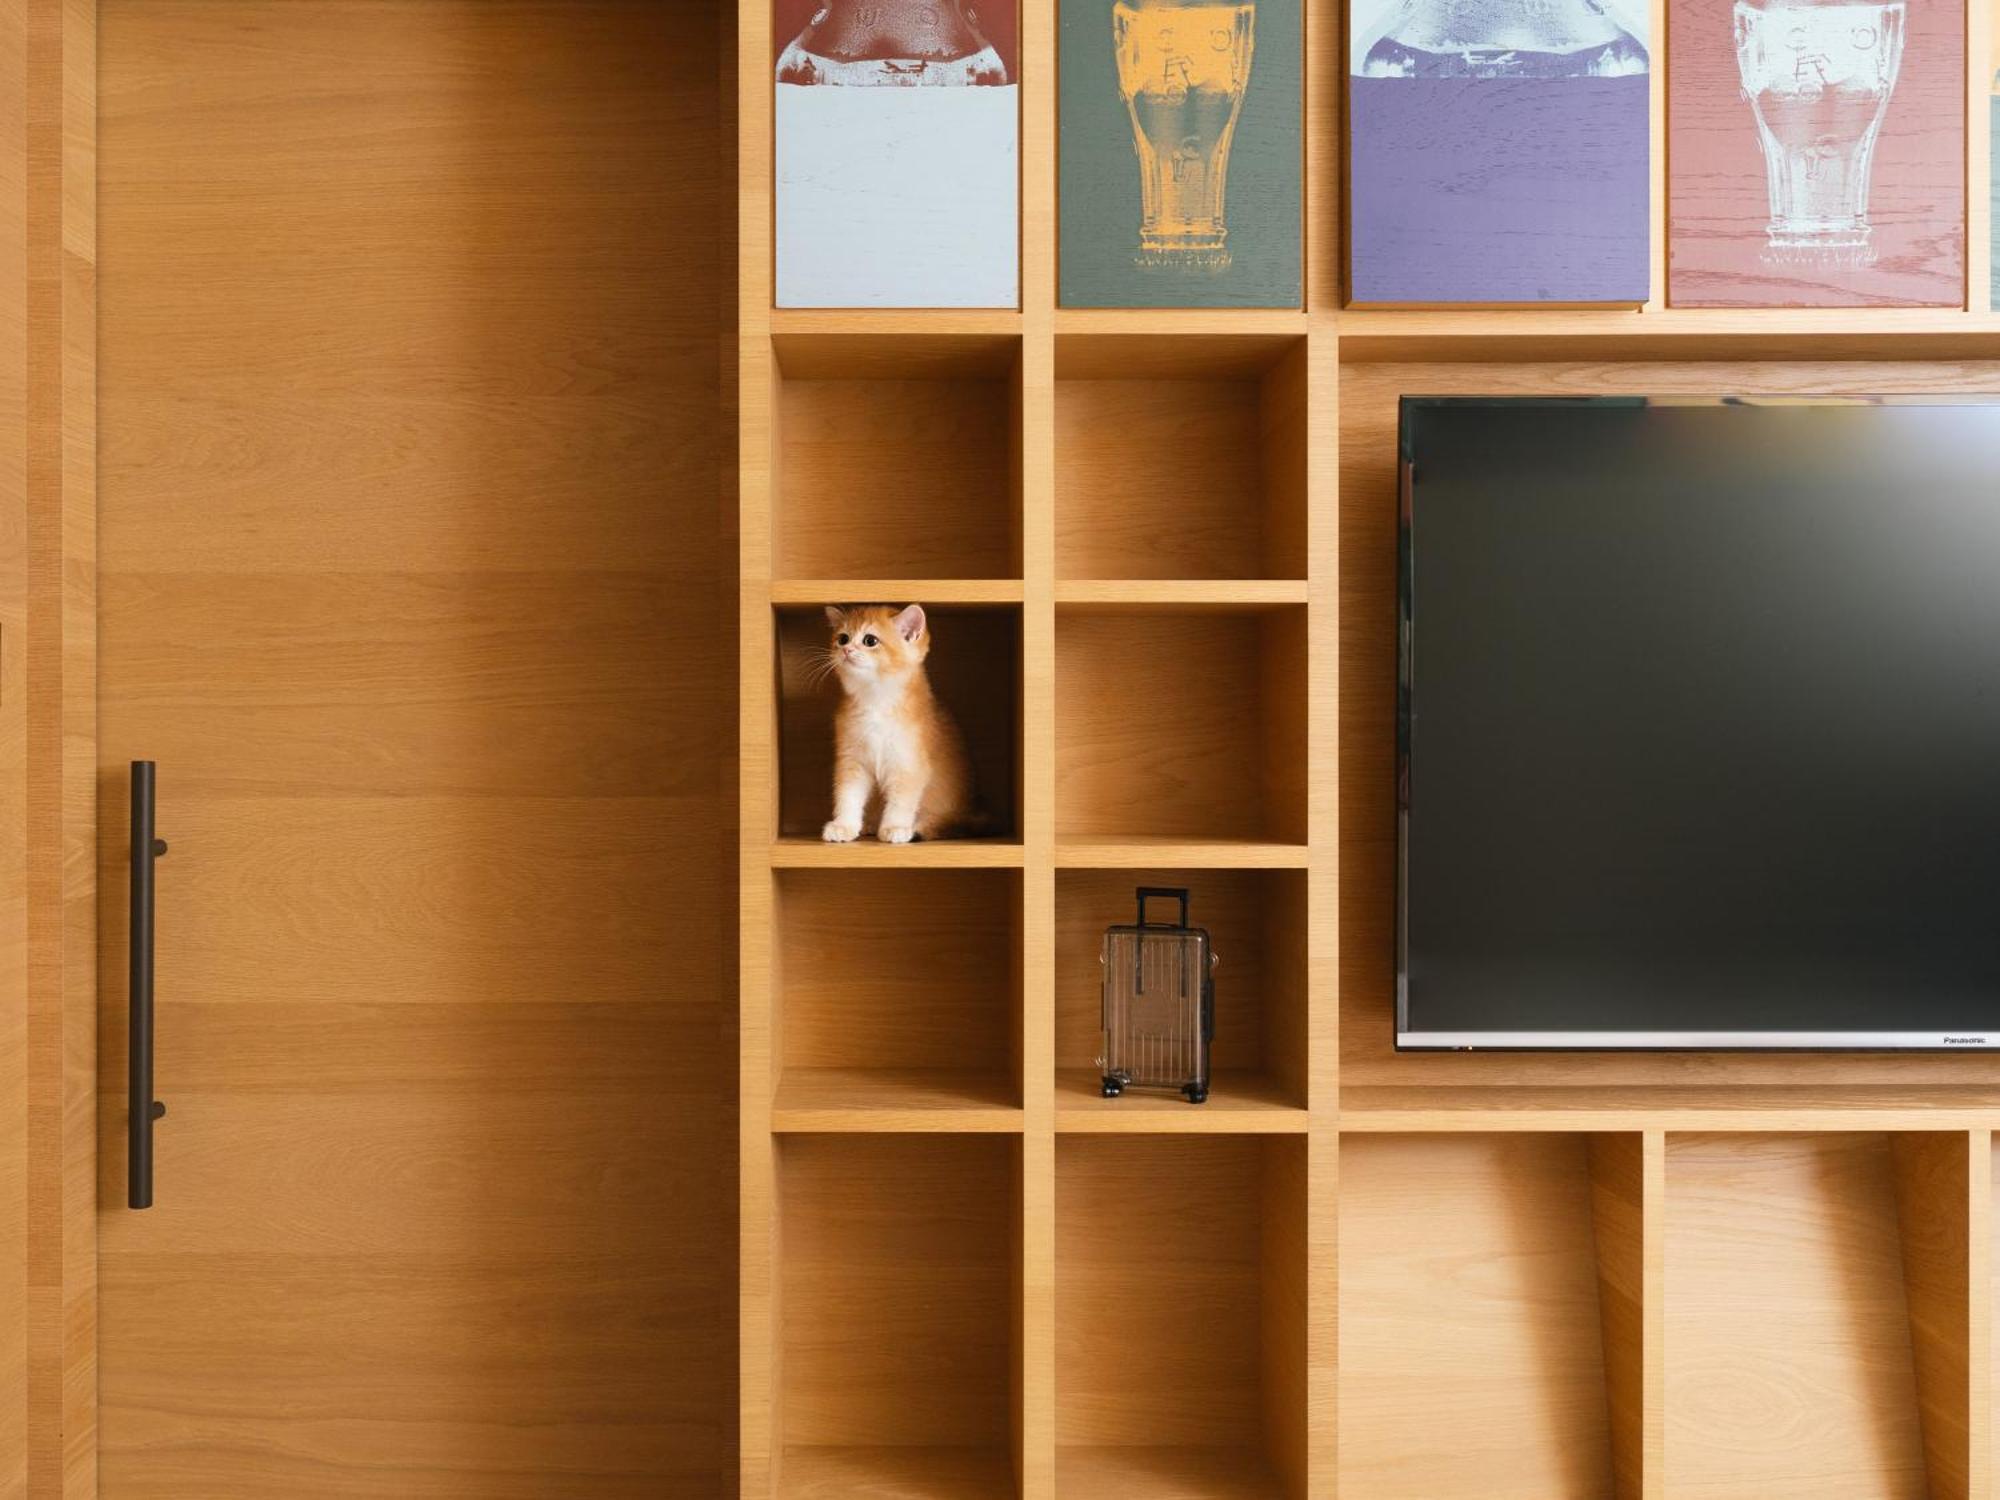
(1979, 1315)
(1653, 1310)
(1035, 431)
(1325, 190)
(759, 1377)
(1322, 690)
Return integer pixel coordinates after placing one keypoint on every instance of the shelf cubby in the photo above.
(1817, 1315)
(1181, 723)
(1180, 456)
(897, 456)
(897, 1283)
(1181, 1363)
(1257, 919)
(897, 998)
(975, 670)
(1491, 1290)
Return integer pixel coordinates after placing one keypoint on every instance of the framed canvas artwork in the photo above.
(1498, 151)
(1181, 153)
(896, 140)
(1816, 153)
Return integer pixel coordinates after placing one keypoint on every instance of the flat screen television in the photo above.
(1699, 724)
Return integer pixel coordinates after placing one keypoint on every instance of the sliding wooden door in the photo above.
(412, 582)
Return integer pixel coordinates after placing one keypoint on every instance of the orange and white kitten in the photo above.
(891, 735)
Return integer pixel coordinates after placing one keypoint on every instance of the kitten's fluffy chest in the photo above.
(881, 728)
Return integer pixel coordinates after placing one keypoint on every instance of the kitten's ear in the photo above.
(910, 623)
(834, 615)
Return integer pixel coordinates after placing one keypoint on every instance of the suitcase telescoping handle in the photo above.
(1179, 893)
(1139, 937)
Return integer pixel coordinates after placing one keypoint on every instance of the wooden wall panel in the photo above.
(13, 751)
(60, 104)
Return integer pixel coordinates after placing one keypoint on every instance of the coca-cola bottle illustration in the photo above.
(897, 155)
(1501, 39)
(1819, 75)
(894, 44)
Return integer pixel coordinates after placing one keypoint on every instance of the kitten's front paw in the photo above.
(837, 832)
(896, 833)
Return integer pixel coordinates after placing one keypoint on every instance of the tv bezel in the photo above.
(1970, 1040)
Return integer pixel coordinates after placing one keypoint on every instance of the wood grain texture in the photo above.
(885, 478)
(1175, 479)
(1214, 752)
(1166, 1472)
(1718, 203)
(1035, 463)
(900, 970)
(1790, 1370)
(14, 1200)
(896, 1289)
(60, 114)
(897, 1473)
(1618, 1227)
(1933, 1176)
(1367, 606)
(760, 1411)
(411, 534)
(1167, 1248)
(1980, 1261)
(894, 1099)
(1287, 1329)
(1472, 1336)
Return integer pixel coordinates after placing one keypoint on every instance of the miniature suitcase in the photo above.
(1159, 1003)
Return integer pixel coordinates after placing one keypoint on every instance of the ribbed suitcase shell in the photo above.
(1159, 1004)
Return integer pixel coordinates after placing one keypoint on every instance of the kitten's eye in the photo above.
(841, 639)
(870, 641)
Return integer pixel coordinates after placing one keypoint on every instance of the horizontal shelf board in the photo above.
(872, 854)
(1245, 1103)
(1178, 321)
(896, 1474)
(925, 591)
(837, 322)
(1220, 854)
(1713, 1108)
(954, 347)
(1141, 1473)
(1179, 595)
(859, 1100)
(1375, 336)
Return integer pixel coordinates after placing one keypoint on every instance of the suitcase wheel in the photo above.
(1113, 1088)
(1195, 1094)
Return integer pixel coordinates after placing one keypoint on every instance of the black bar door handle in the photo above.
(144, 1108)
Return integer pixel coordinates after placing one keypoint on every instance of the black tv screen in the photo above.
(1699, 729)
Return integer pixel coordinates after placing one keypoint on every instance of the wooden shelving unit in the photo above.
(1160, 566)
